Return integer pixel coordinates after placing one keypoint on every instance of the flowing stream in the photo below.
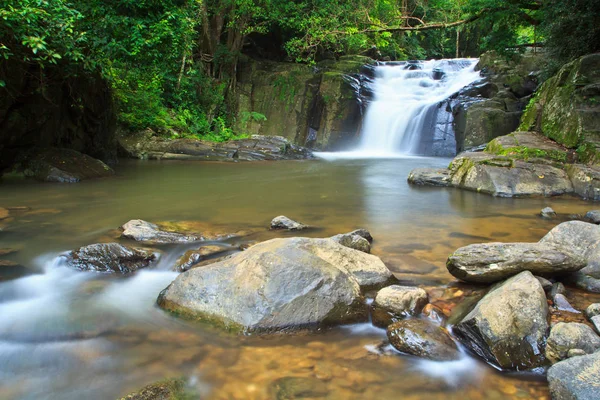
(66, 334)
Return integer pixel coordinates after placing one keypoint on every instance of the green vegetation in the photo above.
(172, 64)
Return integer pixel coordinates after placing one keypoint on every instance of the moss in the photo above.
(168, 389)
(588, 153)
(525, 153)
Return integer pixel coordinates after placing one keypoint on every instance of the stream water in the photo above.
(71, 335)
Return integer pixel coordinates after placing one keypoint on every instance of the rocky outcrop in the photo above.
(508, 326)
(285, 223)
(492, 262)
(311, 106)
(143, 231)
(277, 285)
(396, 302)
(570, 336)
(143, 145)
(109, 257)
(60, 165)
(575, 378)
(422, 338)
(493, 106)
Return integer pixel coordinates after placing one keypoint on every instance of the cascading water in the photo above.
(405, 115)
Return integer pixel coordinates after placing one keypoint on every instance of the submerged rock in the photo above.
(575, 378)
(422, 338)
(143, 231)
(508, 325)
(168, 389)
(61, 166)
(492, 262)
(109, 257)
(397, 302)
(353, 241)
(569, 336)
(277, 285)
(283, 222)
(290, 388)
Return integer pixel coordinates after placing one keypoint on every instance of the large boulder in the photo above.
(143, 231)
(61, 165)
(277, 285)
(508, 325)
(582, 238)
(109, 257)
(570, 336)
(492, 262)
(575, 378)
(397, 302)
(422, 338)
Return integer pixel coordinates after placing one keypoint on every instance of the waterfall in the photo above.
(406, 115)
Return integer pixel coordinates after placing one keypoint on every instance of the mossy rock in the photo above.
(168, 389)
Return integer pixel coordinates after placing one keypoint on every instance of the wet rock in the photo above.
(546, 284)
(557, 288)
(397, 302)
(429, 177)
(290, 388)
(561, 303)
(593, 216)
(508, 325)
(575, 378)
(593, 310)
(193, 257)
(355, 242)
(548, 212)
(435, 314)
(109, 257)
(143, 231)
(277, 285)
(363, 233)
(422, 338)
(168, 389)
(569, 336)
(283, 222)
(492, 262)
(61, 165)
(586, 181)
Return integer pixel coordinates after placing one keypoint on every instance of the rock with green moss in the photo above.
(169, 389)
(278, 285)
(566, 108)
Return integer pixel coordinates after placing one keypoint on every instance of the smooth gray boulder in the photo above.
(277, 285)
(353, 241)
(576, 378)
(508, 325)
(581, 238)
(492, 262)
(422, 338)
(569, 336)
(396, 302)
(143, 231)
(109, 257)
(283, 222)
(429, 177)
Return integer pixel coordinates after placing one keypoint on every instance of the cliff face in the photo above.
(310, 106)
(45, 109)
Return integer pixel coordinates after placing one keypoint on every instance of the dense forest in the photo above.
(171, 64)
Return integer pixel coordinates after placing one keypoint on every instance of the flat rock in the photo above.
(429, 177)
(508, 325)
(278, 285)
(396, 302)
(575, 378)
(109, 257)
(61, 165)
(569, 336)
(353, 241)
(283, 222)
(143, 231)
(492, 262)
(422, 338)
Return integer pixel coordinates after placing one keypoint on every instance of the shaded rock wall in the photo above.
(315, 107)
(44, 109)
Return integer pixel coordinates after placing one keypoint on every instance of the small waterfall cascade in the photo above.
(406, 114)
